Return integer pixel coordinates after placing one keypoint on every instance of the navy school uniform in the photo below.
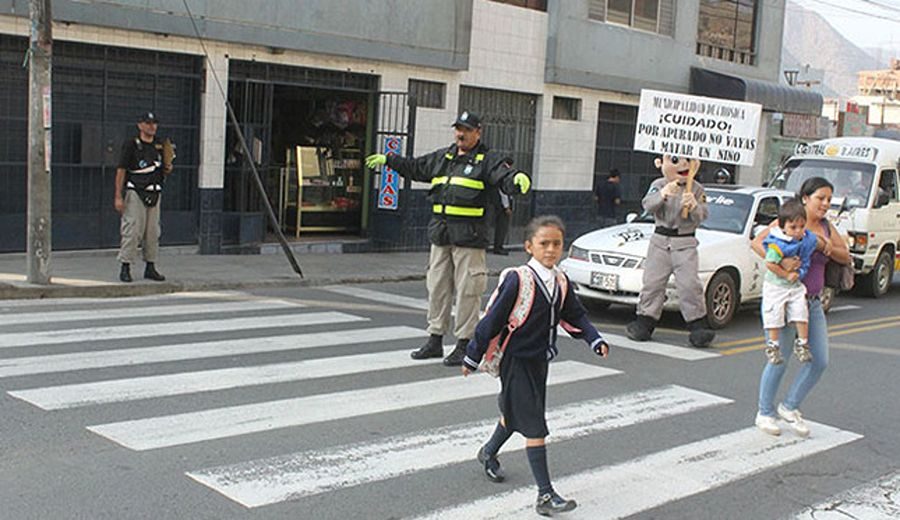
(523, 370)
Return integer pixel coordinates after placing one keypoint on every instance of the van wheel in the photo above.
(721, 300)
(827, 298)
(877, 282)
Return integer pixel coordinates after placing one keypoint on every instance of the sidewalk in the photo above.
(96, 273)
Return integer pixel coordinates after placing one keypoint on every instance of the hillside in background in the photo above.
(810, 40)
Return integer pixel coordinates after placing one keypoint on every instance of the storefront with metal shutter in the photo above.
(98, 92)
(315, 119)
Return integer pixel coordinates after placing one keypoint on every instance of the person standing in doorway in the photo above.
(139, 179)
(461, 178)
(608, 195)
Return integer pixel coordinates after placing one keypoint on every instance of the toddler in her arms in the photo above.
(784, 296)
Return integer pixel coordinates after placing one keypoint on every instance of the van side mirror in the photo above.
(883, 198)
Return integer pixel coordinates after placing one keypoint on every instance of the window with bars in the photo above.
(656, 16)
(537, 5)
(428, 94)
(726, 30)
(566, 108)
(615, 149)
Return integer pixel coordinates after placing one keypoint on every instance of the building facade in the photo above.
(317, 85)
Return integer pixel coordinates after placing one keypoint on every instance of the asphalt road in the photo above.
(303, 404)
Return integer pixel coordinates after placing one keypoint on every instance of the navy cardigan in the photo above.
(536, 338)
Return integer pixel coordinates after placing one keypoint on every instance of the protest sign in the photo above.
(709, 129)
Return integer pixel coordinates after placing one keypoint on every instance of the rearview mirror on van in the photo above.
(882, 199)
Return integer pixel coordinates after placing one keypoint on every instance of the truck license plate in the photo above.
(605, 281)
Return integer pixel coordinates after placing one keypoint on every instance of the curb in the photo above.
(35, 292)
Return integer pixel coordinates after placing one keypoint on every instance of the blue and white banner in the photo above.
(389, 185)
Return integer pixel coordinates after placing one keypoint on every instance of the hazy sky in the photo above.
(880, 29)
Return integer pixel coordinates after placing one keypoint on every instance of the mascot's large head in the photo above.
(676, 168)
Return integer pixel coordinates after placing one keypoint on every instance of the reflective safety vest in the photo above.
(460, 190)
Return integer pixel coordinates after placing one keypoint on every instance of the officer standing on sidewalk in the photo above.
(461, 178)
(143, 164)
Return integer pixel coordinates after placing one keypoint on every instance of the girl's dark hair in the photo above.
(812, 185)
(542, 221)
(790, 211)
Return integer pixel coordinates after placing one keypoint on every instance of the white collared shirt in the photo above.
(548, 276)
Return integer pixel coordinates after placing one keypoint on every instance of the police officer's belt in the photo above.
(671, 232)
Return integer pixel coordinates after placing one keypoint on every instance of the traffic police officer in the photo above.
(139, 180)
(673, 249)
(461, 178)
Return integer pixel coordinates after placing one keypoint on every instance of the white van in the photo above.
(866, 205)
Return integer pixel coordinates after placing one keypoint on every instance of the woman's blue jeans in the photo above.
(809, 373)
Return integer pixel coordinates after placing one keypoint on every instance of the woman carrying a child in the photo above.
(815, 194)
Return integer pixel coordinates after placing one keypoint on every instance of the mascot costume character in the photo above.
(678, 205)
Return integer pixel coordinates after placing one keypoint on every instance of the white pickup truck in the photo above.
(866, 202)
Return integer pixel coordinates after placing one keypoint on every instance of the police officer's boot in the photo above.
(641, 329)
(151, 273)
(454, 359)
(125, 273)
(433, 348)
(701, 335)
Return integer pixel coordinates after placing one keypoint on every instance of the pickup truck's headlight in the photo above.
(577, 253)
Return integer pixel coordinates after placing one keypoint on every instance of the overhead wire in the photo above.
(289, 253)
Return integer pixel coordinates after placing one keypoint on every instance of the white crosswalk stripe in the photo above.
(56, 337)
(85, 394)
(273, 480)
(671, 475)
(174, 430)
(160, 311)
(208, 349)
(661, 349)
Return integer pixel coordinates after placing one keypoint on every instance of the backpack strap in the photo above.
(517, 316)
(563, 283)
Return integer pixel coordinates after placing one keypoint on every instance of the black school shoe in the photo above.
(491, 465)
(548, 504)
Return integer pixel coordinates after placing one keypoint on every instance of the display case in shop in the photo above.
(321, 190)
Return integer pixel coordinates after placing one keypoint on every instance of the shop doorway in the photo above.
(318, 143)
(307, 132)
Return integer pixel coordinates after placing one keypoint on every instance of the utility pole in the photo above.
(38, 244)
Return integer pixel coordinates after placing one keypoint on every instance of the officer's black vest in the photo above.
(459, 197)
(148, 186)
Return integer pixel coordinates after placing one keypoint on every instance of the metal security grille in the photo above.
(301, 76)
(98, 91)
(615, 142)
(252, 103)
(509, 120)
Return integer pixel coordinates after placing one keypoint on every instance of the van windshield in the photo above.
(852, 181)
